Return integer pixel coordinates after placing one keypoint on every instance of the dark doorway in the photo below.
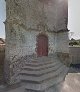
(42, 45)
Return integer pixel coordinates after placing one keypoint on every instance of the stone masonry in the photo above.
(25, 20)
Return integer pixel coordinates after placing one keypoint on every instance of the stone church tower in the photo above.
(34, 28)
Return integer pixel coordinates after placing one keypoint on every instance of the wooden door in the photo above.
(42, 45)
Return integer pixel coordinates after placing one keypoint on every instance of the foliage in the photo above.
(74, 42)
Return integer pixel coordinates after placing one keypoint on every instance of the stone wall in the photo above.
(25, 20)
(2, 57)
(39, 16)
(31, 13)
(75, 54)
(62, 42)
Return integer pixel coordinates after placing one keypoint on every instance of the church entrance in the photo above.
(42, 45)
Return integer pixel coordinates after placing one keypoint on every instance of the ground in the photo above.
(71, 84)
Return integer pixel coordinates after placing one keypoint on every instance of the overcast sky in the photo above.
(74, 18)
(2, 18)
(73, 24)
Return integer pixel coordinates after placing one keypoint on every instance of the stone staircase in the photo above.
(41, 74)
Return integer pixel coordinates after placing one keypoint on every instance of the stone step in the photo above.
(38, 68)
(46, 84)
(42, 71)
(41, 59)
(41, 78)
(38, 63)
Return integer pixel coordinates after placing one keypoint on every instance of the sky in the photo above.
(2, 18)
(73, 18)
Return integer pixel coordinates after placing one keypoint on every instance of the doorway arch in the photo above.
(42, 45)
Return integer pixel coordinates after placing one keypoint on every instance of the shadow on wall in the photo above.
(2, 56)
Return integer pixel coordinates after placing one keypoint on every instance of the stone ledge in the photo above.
(64, 58)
